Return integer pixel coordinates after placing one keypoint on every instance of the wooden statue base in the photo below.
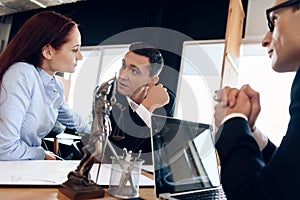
(80, 186)
(88, 193)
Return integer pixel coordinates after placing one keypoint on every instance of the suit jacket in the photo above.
(129, 130)
(246, 173)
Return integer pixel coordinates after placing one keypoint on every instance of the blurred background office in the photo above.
(191, 25)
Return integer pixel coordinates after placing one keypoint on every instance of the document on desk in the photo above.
(65, 138)
(51, 173)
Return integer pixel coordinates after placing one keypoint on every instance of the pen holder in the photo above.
(124, 178)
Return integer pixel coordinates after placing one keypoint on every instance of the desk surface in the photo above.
(24, 171)
(53, 194)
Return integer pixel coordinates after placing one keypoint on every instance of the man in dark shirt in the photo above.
(138, 96)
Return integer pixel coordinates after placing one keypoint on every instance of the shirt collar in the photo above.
(132, 104)
(51, 87)
(46, 78)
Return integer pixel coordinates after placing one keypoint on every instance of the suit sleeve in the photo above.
(168, 109)
(171, 105)
(240, 158)
(269, 151)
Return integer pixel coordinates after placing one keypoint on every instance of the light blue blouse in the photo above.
(31, 101)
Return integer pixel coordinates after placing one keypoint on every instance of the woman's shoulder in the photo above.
(22, 65)
(21, 72)
(23, 68)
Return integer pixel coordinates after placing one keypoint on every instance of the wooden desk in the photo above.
(44, 192)
(53, 194)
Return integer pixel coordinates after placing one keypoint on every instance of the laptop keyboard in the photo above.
(203, 195)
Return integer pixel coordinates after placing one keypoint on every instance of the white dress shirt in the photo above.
(141, 111)
(31, 101)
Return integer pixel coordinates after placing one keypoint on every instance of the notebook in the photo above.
(184, 159)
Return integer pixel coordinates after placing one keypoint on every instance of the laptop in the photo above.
(184, 159)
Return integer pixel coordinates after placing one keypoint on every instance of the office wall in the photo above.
(101, 20)
(199, 78)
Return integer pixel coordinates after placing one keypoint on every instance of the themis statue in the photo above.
(79, 183)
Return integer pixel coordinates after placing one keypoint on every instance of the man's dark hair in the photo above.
(296, 6)
(154, 55)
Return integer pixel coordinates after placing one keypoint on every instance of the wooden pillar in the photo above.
(233, 38)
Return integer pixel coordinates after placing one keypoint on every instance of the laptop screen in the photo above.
(184, 155)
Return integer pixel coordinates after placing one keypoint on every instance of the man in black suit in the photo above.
(251, 166)
(138, 96)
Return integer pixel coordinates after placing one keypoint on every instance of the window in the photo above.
(99, 65)
(274, 88)
(199, 77)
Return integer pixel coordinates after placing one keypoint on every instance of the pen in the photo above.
(112, 150)
(124, 153)
(128, 156)
(58, 158)
(139, 155)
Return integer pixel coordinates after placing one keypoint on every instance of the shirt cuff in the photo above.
(260, 138)
(144, 113)
(232, 115)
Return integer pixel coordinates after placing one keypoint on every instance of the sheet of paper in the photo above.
(51, 172)
(66, 136)
(46, 172)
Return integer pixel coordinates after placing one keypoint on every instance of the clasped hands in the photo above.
(232, 100)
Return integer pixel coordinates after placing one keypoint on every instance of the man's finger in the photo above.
(231, 96)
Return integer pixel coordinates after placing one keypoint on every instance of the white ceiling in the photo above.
(256, 22)
(13, 6)
(256, 28)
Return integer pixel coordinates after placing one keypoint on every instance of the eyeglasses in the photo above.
(282, 5)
